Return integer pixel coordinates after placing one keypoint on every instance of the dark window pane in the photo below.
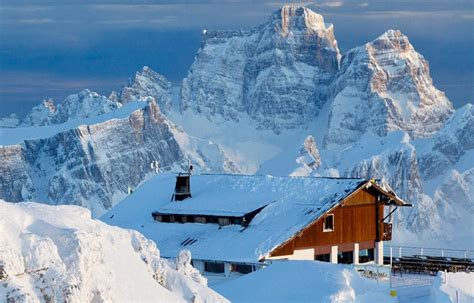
(214, 267)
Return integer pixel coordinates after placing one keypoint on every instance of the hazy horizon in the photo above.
(50, 49)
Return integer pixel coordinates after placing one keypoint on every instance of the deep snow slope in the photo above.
(59, 254)
(304, 281)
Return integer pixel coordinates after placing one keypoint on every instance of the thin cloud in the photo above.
(331, 3)
(35, 21)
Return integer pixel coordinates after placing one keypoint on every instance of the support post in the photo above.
(227, 269)
(379, 253)
(391, 256)
(355, 254)
(333, 254)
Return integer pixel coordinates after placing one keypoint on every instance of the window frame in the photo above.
(327, 230)
(214, 267)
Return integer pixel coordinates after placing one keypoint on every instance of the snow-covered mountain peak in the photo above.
(49, 105)
(84, 104)
(290, 18)
(146, 83)
(393, 39)
(278, 73)
(86, 93)
(385, 86)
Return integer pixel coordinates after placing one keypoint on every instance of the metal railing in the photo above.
(407, 251)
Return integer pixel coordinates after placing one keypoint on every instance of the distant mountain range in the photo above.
(277, 99)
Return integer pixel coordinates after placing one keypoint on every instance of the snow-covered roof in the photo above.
(216, 198)
(295, 203)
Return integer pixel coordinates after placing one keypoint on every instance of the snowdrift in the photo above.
(59, 254)
(304, 281)
(452, 287)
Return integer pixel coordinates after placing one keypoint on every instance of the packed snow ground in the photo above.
(313, 281)
(443, 288)
(60, 254)
(304, 281)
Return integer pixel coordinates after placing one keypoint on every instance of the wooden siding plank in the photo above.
(354, 221)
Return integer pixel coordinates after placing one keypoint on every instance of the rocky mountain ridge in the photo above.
(254, 97)
(385, 86)
(273, 73)
(96, 165)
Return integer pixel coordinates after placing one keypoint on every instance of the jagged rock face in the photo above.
(42, 114)
(277, 73)
(147, 83)
(397, 168)
(385, 86)
(86, 104)
(450, 213)
(309, 158)
(77, 106)
(95, 165)
(448, 145)
(455, 196)
(90, 164)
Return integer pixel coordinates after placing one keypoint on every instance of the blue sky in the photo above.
(55, 48)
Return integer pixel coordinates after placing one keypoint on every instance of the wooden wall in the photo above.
(354, 222)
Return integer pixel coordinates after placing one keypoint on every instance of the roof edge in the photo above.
(393, 200)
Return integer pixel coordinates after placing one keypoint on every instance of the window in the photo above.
(328, 224)
(211, 219)
(237, 221)
(346, 257)
(323, 258)
(199, 219)
(242, 268)
(224, 221)
(366, 255)
(214, 267)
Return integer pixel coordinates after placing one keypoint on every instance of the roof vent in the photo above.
(182, 189)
